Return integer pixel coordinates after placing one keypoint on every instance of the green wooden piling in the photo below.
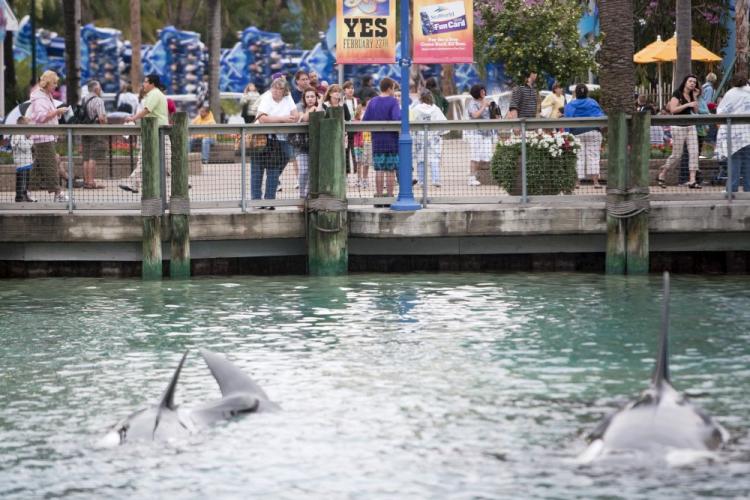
(328, 226)
(179, 202)
(617, 142)
(637, 226)
(151, 208)
(313, 131)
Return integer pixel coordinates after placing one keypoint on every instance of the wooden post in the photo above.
(637, 226)
(328, 226)
(616, 185)
(151, 209)
(179, 202)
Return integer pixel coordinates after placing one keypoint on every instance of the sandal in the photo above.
(694, 185)
(661, 182)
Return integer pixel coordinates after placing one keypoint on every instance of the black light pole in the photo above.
(32, 19)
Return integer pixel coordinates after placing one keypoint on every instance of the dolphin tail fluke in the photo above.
(661, 372)
(167, 400)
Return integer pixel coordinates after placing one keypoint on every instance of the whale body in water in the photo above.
(165, 420)
(661, 418)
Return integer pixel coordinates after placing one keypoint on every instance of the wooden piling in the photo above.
(617, 142)
(637, 226)
(151, 207)
(179, 202)
(328, 226)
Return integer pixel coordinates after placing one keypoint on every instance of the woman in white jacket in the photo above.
(426, 111)
(736, 102)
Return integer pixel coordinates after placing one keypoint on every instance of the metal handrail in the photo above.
(375, 126)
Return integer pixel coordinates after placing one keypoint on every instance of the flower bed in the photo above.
(550, 163)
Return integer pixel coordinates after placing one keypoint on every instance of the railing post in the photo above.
(616, 185)
(637, 226)
(425, 166)
(729, 193)
(70, 171)
(328, 227)
(163, 169)
(524, 184)
(151, 203)
(179, 201)
(243, 174)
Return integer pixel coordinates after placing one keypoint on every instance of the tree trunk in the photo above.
(214, 56)
(135, 44)
(684, 25)
(72, 22)
(616, 74)
(447, 81)
(11, 89)
(741, 20)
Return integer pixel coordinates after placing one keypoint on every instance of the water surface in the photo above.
(392, 386)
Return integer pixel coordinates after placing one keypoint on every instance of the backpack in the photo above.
(81, 114)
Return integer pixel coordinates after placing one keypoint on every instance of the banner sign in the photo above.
(366, 31)
(443, 31)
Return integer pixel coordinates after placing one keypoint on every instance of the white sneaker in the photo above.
(365, 184)
(61, 197)
(473, 181)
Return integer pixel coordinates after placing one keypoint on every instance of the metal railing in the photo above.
(454, 162)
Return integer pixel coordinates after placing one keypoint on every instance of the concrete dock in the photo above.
(693, 236)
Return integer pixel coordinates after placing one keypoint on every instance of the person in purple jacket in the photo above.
(384, 144)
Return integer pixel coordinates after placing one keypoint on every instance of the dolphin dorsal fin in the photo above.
(230, 378)
(661, 371)
(167, 400)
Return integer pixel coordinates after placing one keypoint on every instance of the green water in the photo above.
(392, 386)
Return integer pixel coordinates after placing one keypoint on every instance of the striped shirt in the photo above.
(524, 100)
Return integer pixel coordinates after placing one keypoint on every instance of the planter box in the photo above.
(7, 177)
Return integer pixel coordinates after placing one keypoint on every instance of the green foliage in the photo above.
(539, 36)
(545, 174)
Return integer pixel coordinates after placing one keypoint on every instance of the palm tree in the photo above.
(684, 27)
(135, 44)
(214, 55)
(616, 73)
(740, 65)
(72, 21)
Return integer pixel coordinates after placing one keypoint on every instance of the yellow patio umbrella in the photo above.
(660, 51)
(646, 56)
(668, 52)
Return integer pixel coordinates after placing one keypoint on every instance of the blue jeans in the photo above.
(271, 160)
(206, 143)
(741, 165)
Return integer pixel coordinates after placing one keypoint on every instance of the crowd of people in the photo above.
(292, 100)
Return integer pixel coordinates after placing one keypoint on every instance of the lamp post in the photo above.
(405, 200)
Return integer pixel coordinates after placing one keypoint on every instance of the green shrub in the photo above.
(550, 163)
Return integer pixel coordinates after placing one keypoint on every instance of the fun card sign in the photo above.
(443, 31)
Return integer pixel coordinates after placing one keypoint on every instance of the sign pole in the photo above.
(405, 201)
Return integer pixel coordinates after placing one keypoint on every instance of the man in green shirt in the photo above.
(154, 104)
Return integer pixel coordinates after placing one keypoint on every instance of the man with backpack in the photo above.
(93, 112)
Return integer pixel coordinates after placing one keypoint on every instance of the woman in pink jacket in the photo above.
(42, 111)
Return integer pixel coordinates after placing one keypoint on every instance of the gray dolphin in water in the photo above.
(165, 420)
(661, 418)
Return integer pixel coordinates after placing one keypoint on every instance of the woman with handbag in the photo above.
(274, 107)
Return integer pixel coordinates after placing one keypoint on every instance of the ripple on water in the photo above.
(416, 386)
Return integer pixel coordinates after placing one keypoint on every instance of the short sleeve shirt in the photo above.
(95, 108)
(267, 106)
(156, 104)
